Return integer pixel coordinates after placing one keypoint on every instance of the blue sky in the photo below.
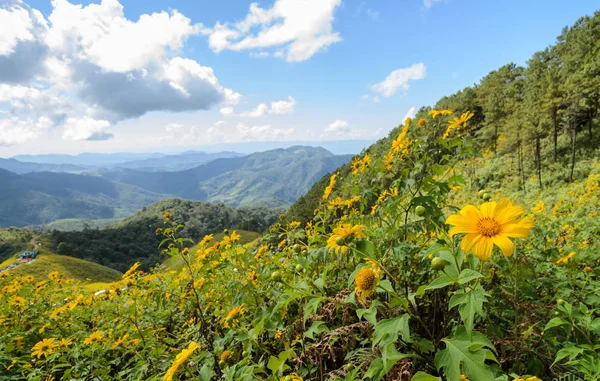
(326, 93)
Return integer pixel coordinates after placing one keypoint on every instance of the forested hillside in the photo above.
(273, 178)
(134, 239)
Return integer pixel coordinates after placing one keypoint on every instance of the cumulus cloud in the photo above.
(16, 131)
(277, 108)
(86, 128)
(399, 79)
(85, 66)
(262, 133)
(297, 29)
(338, 127)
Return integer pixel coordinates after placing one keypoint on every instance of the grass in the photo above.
(69, 267)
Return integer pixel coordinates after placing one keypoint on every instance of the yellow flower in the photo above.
(588, 269)
(233, 316)
(457, 122)
(366, 282)
(565, 260)
(17, 302)
(65, 342)
(54, 276)
(492, 224)
(131, 272)
(278, 334)
(434, 113)
(44, 348)
(167, 216)
(95, 337)
(121, 341)
(226, 355)
(159, 231)
(360, 165)
(401, 143)
(293, 376)
(342, 236)
(206, 239)
(329, 187)
(421, 122)
(388, 161)
(539, 207)
(28, 279)
(463, 378)
(180, 359)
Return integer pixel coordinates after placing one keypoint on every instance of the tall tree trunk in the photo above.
(555, 125)
(522, 169)
(539, 160)
(573, 142)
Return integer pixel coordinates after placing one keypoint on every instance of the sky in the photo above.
(141, 76)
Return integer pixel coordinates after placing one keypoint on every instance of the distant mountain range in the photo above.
(89, 162)
(273, 178)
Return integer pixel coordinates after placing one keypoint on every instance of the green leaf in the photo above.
(556, 322)
(366, 247)
(386, 286)
(277, 364)
(311, 307)
(369, 314)
(422, 376)
(375, 371)
(470, 303)
(471, 352)
(390, 356)
(316, 328)
(468, 275)
(441, 282)
(387, 330)
(569, 350)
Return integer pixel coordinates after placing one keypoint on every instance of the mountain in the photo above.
(272, 178)
(87, 159)
(42, 197)
(178, 162)
(21, 167)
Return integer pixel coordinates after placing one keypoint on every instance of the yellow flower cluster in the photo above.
(434, 113)
(527, 379)
(360, 165)
(339, 202)
(329, 187)
(401, 144)
(457, 122)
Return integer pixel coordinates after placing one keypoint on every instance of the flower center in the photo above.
(365, 279)
(488, 227)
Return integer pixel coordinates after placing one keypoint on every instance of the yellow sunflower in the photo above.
(366, 282)
(93, 338)
(44, 348)
(180, 359)
(492, 224)
(343, 235)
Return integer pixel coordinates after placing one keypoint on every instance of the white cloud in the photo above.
(17, 131)
(259, 111)
(299, 29)
(283, 107)
(173, 127)
(399, 79)
(338, 127)
(86, 128)
(262, 133)
(277, 108)
(90, 65)
(410, 113)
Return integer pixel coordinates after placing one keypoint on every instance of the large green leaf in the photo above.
(465, 355)
(422, 376)
(387, 330)
(470, 303)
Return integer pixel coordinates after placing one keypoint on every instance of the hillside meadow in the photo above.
(434, 279)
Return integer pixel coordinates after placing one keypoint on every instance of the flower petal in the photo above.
(505, 244)
(483, 248)
(462, 224)
(471, 213)
(519, 229)
(468, 242)
(487, 209)
(506, 212)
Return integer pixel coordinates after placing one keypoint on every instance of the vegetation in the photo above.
(437, 254)
(134, 240)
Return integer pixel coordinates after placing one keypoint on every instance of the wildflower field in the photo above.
(411, 268)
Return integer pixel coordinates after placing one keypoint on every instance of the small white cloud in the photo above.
(410, 113)
(429, 3)
(226, 111)
(299, 29)
(283, 107)
(399, 79)
(86, 128)
(259, 111)
(262, 133)
(338, 127)
(173, 127)
(277, 108)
